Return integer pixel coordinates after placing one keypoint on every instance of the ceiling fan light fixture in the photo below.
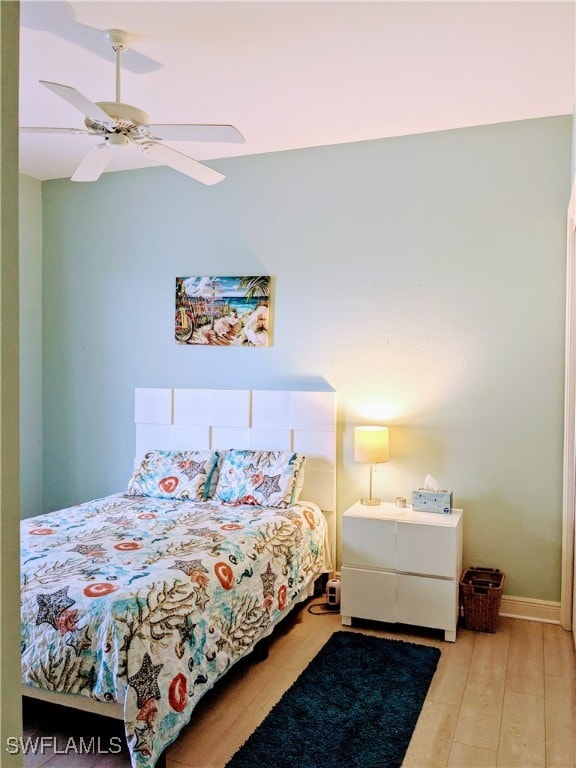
(118, 140)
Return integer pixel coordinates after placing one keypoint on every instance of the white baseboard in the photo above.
(547, 611)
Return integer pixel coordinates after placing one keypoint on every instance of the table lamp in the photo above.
(371, 447)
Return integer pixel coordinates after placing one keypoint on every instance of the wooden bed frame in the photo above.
(176, 419)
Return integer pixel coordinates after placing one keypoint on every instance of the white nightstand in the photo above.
(402, 566)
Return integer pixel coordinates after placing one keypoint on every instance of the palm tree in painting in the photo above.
(254, 287)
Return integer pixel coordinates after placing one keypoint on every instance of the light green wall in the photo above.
(30, 214)
(422, 277)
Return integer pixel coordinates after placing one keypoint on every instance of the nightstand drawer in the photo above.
(369, 543)
(426, 602)
(368, 594)
(427, 549)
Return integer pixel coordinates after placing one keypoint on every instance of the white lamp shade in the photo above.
(371, 445)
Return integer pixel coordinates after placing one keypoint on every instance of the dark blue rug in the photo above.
(354, 706)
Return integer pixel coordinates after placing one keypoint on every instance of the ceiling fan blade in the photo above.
(80, 102)
(35, 129)
(94, 163)
(223, 133)
(182, 163)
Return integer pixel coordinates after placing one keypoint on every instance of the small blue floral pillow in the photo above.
(174, 475)
(262, 478)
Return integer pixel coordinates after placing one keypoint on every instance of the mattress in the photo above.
(147, 602)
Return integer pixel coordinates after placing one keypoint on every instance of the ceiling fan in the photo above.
(121, 125)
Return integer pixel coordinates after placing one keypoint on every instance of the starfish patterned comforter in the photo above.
(149, 601)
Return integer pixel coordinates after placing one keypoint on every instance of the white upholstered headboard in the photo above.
(303, 421)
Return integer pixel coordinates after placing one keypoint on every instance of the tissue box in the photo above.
(432, 501)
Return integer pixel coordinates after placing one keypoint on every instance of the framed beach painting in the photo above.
(223, 311)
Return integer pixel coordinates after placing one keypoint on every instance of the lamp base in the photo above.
(370, 502)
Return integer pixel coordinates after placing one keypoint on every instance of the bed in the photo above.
(135, 604)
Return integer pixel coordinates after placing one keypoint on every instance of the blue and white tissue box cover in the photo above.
(432, 501)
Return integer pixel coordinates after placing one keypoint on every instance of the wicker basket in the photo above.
(480, 595)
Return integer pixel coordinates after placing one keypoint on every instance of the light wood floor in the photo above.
(505, 700)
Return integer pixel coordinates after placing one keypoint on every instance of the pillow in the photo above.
(174, 475)
(215, 476)
(263, 478)
(298, 483)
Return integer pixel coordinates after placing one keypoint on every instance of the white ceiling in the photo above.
(293, 74)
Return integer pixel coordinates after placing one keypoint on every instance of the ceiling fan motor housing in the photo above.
(125, 116)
